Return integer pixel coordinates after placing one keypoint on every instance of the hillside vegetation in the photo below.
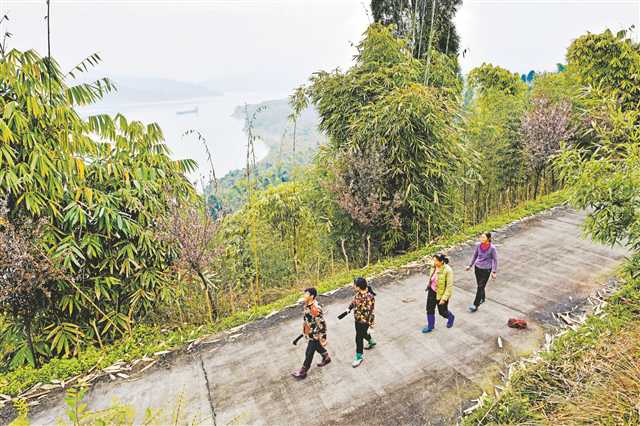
(293, 144)
(105, 243)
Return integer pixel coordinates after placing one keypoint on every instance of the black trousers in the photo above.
(432, 302)
(362, 333)
(312, 347)
(482, 277)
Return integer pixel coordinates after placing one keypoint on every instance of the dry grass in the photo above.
(605, 385)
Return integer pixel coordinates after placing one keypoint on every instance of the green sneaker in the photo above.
(372, 344)
(357, 360)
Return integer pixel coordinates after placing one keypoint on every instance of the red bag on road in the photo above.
(517, 323)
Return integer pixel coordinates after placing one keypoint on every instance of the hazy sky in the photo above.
(279, 43)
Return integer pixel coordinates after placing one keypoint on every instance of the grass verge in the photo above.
(147, 340)
(590, 375)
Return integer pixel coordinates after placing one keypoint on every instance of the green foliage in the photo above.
(234, 191)
(492, 129)
(557, 87)
(514, 130)
(607, 183)
(382, 104)
(488, 77)
(102, 185)
(272, 241)
(590, 375)
(383, 64)
(413, 128)
(412, 20)
(98, 184)
(609, 63)
(603, 65)
(605, 176)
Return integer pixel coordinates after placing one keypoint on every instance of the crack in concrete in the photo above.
(209, 396)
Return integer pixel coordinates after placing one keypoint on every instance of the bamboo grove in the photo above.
(102, 232)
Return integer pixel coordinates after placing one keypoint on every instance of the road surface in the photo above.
(410, 377)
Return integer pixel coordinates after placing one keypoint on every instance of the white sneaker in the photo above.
(356, 362)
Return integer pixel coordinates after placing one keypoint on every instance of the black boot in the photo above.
(326, 359)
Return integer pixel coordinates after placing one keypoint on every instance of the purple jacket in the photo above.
(485, 259)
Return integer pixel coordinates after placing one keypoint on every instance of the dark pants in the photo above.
(312, 347)
(362, 333)
(443, 309)
(482, 277)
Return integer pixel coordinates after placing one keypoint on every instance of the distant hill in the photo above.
(271, 123)
(134, 90)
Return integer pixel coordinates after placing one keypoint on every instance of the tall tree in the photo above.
(413, 20)
(608, 64)
(381, 103)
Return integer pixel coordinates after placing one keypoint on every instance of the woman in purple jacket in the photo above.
(485, 261)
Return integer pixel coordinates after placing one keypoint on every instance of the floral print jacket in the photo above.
(363, 304)
(315, 327)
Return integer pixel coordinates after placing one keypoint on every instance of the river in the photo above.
(224, 134)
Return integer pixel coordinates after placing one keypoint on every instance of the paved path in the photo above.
(409, 378)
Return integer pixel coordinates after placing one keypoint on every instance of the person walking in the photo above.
(485, 264)
(314, 329)
(439, 290)
(363, 304)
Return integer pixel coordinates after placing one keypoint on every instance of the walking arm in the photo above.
(448, 289)
(494, 263)
(474, 258)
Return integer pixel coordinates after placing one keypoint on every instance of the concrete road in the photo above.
(410, 377)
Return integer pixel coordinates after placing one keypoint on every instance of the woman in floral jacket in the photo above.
(314, 328)
(363, 305)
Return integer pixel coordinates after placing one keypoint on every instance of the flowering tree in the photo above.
(26, 276)
(544, 127)
(192, 231)
(361, 189)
